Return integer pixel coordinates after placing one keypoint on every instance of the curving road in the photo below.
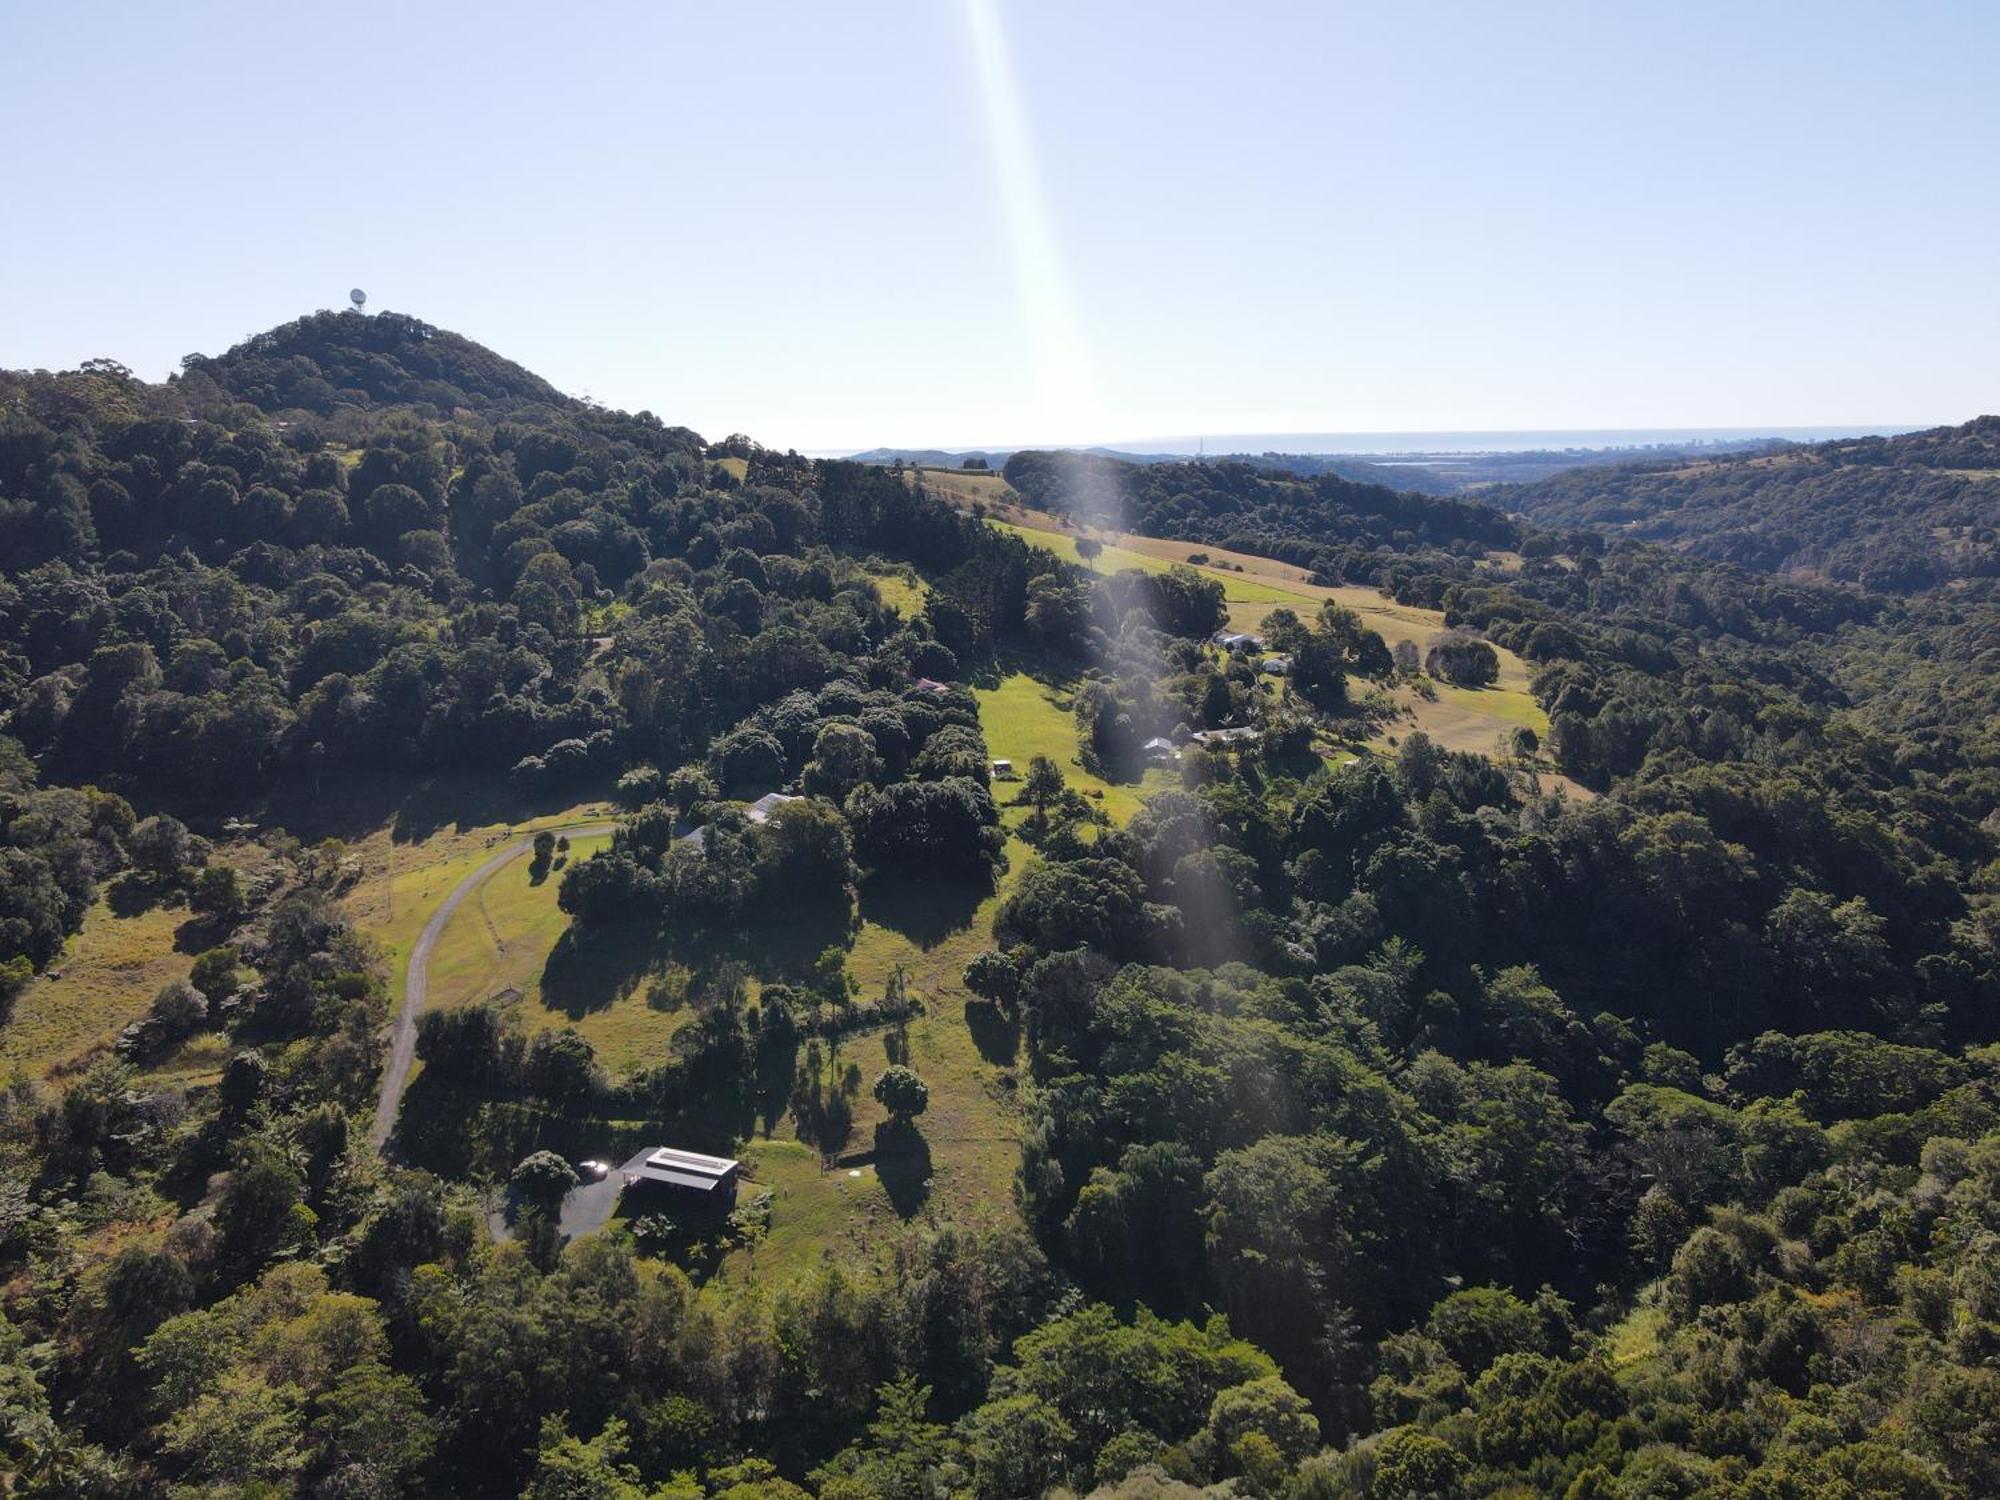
(403, 1049)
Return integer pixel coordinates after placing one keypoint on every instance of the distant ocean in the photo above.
(1413, 444)
(1557, 440)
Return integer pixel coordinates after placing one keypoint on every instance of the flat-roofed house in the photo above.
(671, 1171)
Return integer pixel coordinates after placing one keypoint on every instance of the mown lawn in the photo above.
(1024, 717)
(496, 945)
(402, 882)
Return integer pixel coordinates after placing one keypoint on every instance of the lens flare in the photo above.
(1065, 401)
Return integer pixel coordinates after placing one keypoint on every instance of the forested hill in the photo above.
(1900, 513)
(332, 359)
(1253, 508)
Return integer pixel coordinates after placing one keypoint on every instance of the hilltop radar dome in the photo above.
(359, 298)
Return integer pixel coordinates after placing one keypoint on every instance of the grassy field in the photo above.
(901, 590)
(1024, 717)
(964, 486)
(1635, 1338)
(498, 941)
(496, 944)
(104, 980)
(402, 881)
(1458, 718)
(498, 938)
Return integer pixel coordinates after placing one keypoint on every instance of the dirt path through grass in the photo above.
(403, 1046)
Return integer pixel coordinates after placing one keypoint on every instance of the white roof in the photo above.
(767, 804)
(687, 1169)
(691, 1161)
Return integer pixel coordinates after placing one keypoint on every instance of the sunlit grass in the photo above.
(496, 945)
(1024, 717)
(903, 594)
(1458, 718)
(109, 974)
(402, 883)
(1635, 1338)
(973, 1124)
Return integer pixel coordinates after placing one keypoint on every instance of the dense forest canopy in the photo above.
(1387, 1126)
(1898, 513)
(330, 360)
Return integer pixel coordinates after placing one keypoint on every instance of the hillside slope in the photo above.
(1901, 513)
(1252, 509)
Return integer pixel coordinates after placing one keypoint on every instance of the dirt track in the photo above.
(403, 1046)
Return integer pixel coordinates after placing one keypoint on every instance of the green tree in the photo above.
(371, 1426)
(900, 1091)
(568, 1468)
(218, 892)
(1412, 1465)
(1267, 1408)
(542, 1179)
(1043, 784)
(843, 757)
(215, 973)
(686, 786)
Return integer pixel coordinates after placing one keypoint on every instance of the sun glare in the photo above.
(1065, 401)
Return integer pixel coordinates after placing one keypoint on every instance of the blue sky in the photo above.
(981, 221)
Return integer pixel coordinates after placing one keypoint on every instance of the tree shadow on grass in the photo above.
(584, 974)
(133, 894)
(200, 933)
(903, 1167)
(784, 944)
(995, 1033)
(924, 909)
(463, 803)
(350, 804)
(589, 971)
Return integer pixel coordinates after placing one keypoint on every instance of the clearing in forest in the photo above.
(1458, 718)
